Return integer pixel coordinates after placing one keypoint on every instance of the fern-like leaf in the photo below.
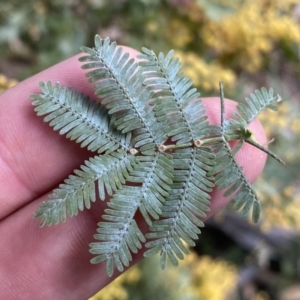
(249, 110)
(237, 128)
(173, 100)
(79, 118)
(259, 101)
(157, 153)
(120, 234)
(155, 173)
(231, 177)
(109, 172)
(119, 83)
(188, 198)
(229, 174)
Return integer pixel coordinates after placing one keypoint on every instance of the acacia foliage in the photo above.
(153, 152)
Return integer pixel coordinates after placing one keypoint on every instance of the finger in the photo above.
(54, 261)
(49, 263)
(33, 158)
(70, 239)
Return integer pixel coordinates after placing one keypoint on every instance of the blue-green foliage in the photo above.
(156, 153)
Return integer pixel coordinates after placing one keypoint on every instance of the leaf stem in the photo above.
(212, 140)
(163, 148)
(269, 152)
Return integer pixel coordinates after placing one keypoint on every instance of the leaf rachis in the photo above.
(156, 153)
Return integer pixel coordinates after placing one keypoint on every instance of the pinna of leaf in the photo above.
(153, 151)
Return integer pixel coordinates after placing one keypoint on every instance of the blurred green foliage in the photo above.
(245, 43)
(216, 40)
(195, 279)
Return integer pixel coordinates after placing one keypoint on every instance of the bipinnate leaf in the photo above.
(249, 110)
(80, 119)
(118, 81)
(236, 128)
(155, 173)
(229, 176)
(188, 201)
(119, 234)
(157, 155)
(228, 173)
(100, 174)
(258, 101)
(172, 98)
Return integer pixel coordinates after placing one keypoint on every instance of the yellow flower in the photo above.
(205, 75)
(6, 83)
(254, 31)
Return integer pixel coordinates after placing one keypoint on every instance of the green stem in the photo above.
(269, 152)
(163, 148)
(197, 143)
(212, 140)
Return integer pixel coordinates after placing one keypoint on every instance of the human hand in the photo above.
(54, 262)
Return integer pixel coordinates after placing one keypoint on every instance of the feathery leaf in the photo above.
(168, 181)
(188, 198)
(172, 98)
(79, 118)
(231, 177)
(237, 128)
(228, 173)
(249, 110)
(118, 81)
(123, 235)
(109, 172)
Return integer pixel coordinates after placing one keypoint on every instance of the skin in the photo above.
(54, 262)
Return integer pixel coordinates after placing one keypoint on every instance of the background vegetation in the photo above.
(245, 43)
